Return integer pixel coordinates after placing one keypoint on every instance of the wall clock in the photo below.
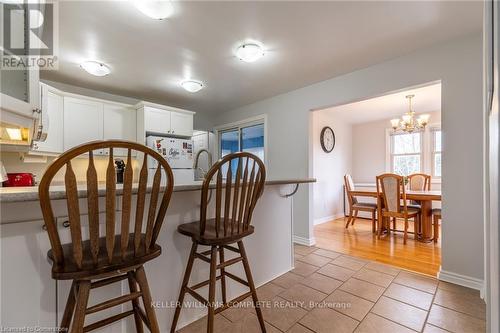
(327, 139)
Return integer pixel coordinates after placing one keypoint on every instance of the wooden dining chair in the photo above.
(418, 182)
(391, 189)
(239, 183)
(120, 251)
(355, 206)
(436, 216)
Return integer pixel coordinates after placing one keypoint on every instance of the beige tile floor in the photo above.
(331, 292)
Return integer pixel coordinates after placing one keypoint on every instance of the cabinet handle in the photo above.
(35, 146)
(65, 224)
(173, 132)
(44, 227)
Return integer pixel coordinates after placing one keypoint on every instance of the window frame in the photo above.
(391, 156)
(434, 152)
(239, 125)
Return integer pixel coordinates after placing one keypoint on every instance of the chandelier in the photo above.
(408, 123)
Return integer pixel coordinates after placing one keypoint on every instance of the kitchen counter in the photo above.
(22, 194)
(24, 246)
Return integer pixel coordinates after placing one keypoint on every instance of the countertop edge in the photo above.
(58, 194)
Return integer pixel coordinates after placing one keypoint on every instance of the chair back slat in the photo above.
(110, 206)
(227, 199)
(85, 253)
(74, 214)
(218, 199)
(244, 194)
(240, 193)
(141, 199)
(236, 196)
(153, 203)
(93, 207)
(128, 175)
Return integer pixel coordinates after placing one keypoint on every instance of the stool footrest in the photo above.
(204, 283)
(202, 257)
(232, 248)
(113, 302)
(105, 282)
(236, 278)
(232, 302)
(229, 262)
(197, 296)
(107, 321)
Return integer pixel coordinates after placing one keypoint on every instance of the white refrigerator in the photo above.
(179, 155)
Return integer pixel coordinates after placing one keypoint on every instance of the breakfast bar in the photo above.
(39, 301)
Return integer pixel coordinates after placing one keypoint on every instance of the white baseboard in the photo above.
(328, 218)
(462, 280)
(304, 241)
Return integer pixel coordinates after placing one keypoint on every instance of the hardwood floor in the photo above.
(359, 241)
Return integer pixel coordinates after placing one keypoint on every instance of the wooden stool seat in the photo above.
(122, 262)
(240, 179)
(210, 236)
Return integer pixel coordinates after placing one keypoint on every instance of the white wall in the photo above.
(458, 64)
(330, 168)
(369, 148)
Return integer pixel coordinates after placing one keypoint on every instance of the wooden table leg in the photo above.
(426, 211)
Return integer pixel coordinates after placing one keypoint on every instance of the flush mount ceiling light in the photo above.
(155, 9)
(192, 86)
(250, 52)
(95, 68)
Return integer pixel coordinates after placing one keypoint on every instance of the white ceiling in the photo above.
(306, 42)
(427, 99)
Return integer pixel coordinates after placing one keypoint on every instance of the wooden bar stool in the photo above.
(113, 256)
(244, 175)
(436, 216)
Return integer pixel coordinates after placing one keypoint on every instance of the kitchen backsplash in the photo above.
(14, 163)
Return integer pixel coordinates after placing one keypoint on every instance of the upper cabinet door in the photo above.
(181, 124)
(156, 120)
(52, 103)
(119, 124)
(83, 121)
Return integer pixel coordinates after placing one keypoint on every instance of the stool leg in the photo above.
(135, 303)
(373, 222)
(140, 276)
(223, 277)
(69, 309)
(211, 289)
(82, 298)
(405, 237)
(248, 273)
(185, 283)
(349, 218)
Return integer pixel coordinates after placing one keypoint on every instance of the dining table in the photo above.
(425, 197)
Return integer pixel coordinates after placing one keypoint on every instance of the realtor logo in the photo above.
(29, 36)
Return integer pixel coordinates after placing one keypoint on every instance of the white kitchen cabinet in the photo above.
(181, 124)
(83, 121)
(157, 120)
(53, 105)
(28, 292)
(118, 123)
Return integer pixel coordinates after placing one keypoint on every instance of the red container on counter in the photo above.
(19, 179)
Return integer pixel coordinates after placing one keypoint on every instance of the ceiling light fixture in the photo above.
(192, 86)
(95, 68)
(155, 9)
(408, 123)
(250, 52)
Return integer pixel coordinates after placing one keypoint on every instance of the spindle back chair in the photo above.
(113, 255)
(239, 180)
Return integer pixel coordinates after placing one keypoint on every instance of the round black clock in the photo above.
(327, 139)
